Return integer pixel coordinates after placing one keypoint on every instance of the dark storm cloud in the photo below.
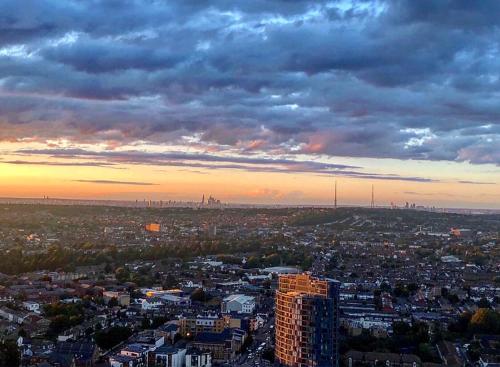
(82, 57)
(458, 14)
(383, 79)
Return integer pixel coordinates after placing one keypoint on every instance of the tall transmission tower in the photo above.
(335, 200)
(372, 205)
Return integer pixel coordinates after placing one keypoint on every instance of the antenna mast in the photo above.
(373, 198)
(335, 202)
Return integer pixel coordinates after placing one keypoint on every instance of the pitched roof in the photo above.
(81, 351)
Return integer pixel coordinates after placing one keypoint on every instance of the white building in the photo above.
(191, 284)
(120, 360)
(32, 306)
(197, 358)
(151, 304)
(450, 259)
(13, 315)
(260, 277)
(168, 356)
(281, 270)
(169, 297)
(238, 303)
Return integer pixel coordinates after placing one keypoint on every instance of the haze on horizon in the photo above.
(262, 101)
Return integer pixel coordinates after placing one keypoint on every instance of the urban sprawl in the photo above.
(211, 285)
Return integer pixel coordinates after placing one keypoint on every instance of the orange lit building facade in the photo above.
(153, 227)
(307, 321)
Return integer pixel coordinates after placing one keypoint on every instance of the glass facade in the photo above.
(307, 321)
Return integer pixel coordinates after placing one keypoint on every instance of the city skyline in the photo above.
(255, 103)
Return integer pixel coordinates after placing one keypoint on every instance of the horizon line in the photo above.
(231, 205)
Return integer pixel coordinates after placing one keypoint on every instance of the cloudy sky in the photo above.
(265, 101)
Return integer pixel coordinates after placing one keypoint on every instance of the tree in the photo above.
(452, 298)
(253, 262)
(63, 316)
(483, 303)
(108, 339)
(248, 342)
(474, 351)
(385, 287)
(89, 331)
(170, 281)
(409, 336)
(273, 260)
(145, 323)
(158, 321)
(122, 274)
(444, 292)
(268, 354)
(401, 291)
(401, 328)
(461, 325)
(113, 302)
(198, 295)
(485, 321)
(420, 332)
(9, 353)
(424, 351)
(412, 287)
(58, 324)
(332, 264)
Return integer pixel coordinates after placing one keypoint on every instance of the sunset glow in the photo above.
(262, 103)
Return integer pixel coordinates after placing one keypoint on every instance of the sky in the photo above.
(262, 101)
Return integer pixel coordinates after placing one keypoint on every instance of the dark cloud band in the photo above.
(213, 162)
(113, 182)
(397, 79)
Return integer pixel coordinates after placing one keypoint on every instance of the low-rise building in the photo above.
(190, 326)
(223, 346)
(120, 360)
(15, 316)
(238, 303)
(123, 298)
(168, 356)
(198, 358)
(133, 355)
(32, 306)
(85, 354)
(354, 358)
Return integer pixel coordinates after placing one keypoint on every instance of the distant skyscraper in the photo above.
(307, 321)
